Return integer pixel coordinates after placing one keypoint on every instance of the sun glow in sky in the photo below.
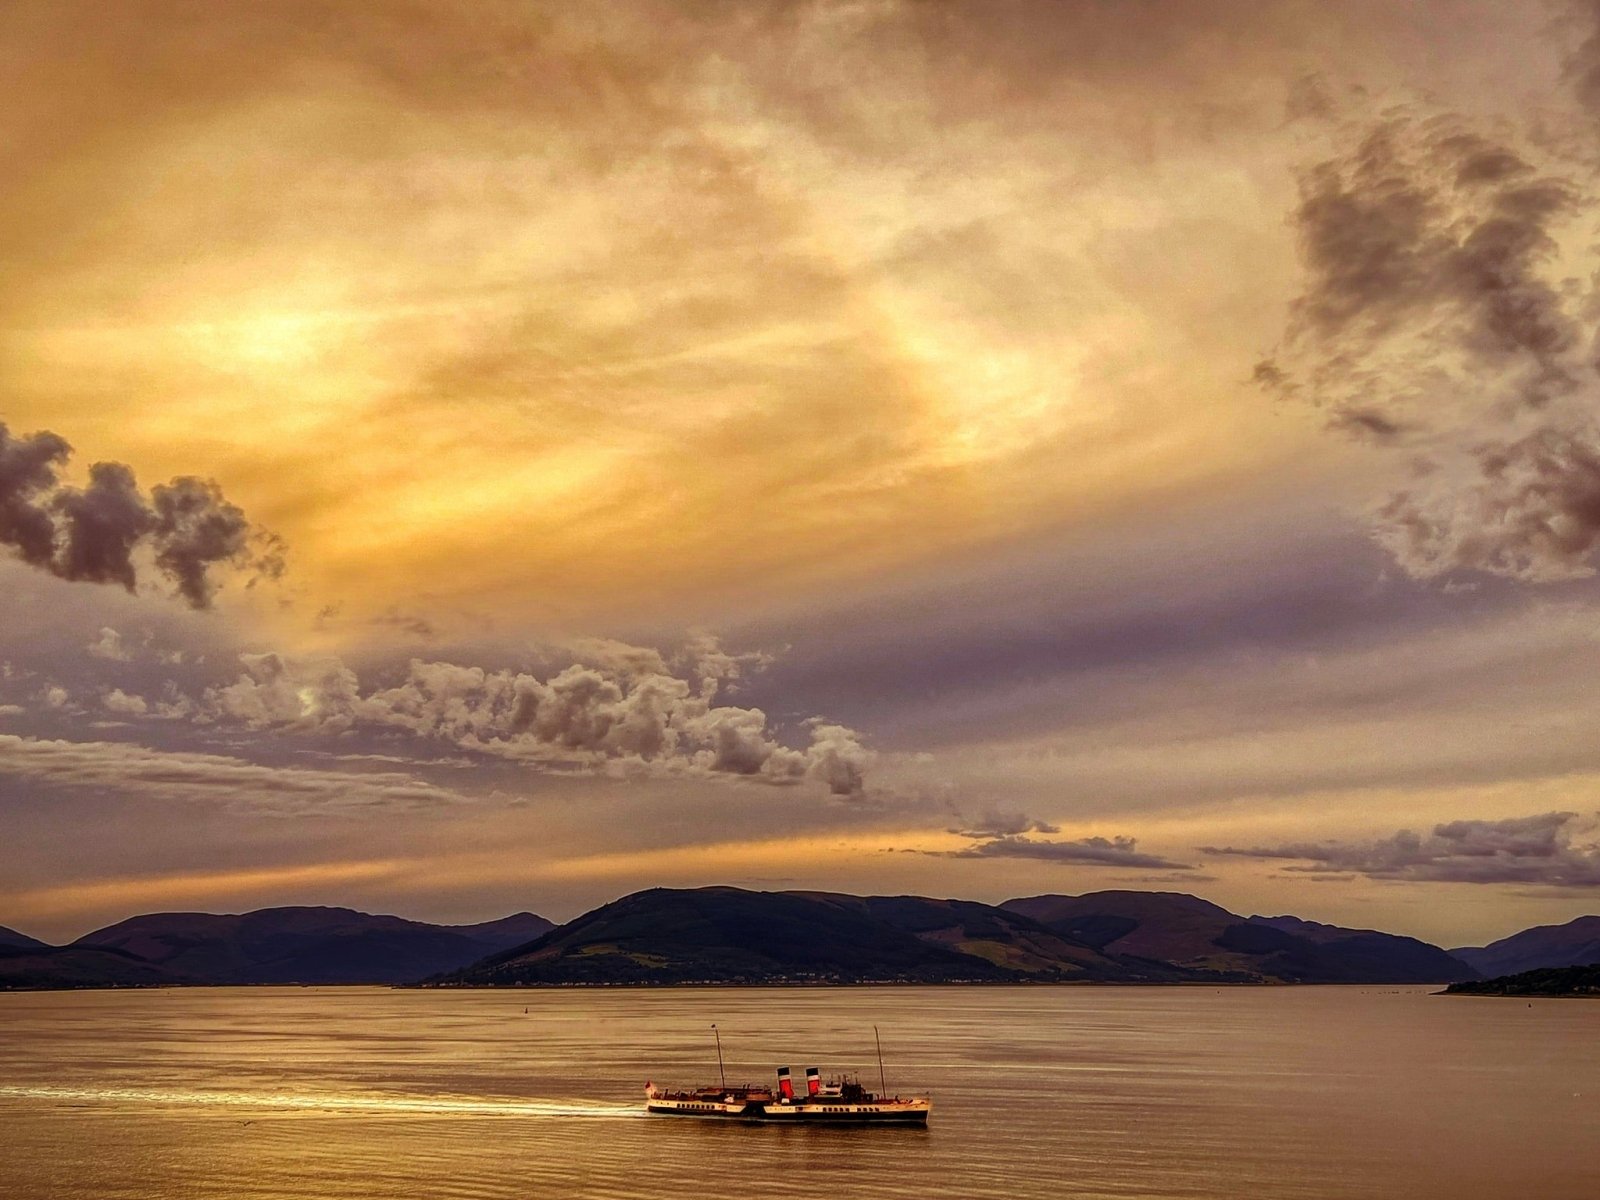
(885, 446)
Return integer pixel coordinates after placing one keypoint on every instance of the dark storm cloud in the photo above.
(1441, 310)
(1089, 851)
(93, 534)
(100, 526)
(1527, 850)
(194, 528)
(27, 482)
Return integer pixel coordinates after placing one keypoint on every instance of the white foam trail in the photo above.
(327, 1101)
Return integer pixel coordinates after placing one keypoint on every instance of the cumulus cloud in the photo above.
(118, 701)
(702, 658)
(27, 485)
(1528, 850)
(620, 709)
(120, 767)
(837, 757)
(100, 525)
(93, 533)
(109, 646)
(1450, 307)
(194, 527)
(275, 691)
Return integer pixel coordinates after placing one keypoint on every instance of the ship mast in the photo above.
(882, 1086)
(721, 1074)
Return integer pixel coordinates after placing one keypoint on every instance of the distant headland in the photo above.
(1551, 981)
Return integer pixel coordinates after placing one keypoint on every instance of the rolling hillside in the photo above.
(10, 939)
(1198, 936)
(728, 935)
(731, 935)
(1575, 944)
(271, 945)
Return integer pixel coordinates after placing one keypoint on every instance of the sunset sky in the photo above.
(969, 449)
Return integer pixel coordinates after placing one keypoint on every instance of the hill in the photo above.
(725, 935)
(11, 939)
(24, 967)
(305, 945)
(507, 931)
(1198, 936)
(1549, 981)
(1010, 940)
(1575, 944)
(729, 935)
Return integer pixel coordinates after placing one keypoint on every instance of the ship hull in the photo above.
(801, 1116)
(912, 1113)
(710, 1110)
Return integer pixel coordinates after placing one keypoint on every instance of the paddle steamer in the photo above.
(841, 1101)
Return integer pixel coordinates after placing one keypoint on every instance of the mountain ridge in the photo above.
(1199, 936)
(1575, 943)
(731, 935)
(11, 939)
(295, 944)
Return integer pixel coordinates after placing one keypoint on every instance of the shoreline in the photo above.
(1132, 985)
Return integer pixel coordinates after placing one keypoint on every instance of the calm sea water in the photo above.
(1059, 1092)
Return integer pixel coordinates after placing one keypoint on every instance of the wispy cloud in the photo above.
(1086, 851)
(120, 767)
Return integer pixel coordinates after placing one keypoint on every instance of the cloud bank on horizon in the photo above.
(1164, 437)
(1535, 850)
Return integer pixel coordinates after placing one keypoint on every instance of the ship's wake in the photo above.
(324, 1101)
